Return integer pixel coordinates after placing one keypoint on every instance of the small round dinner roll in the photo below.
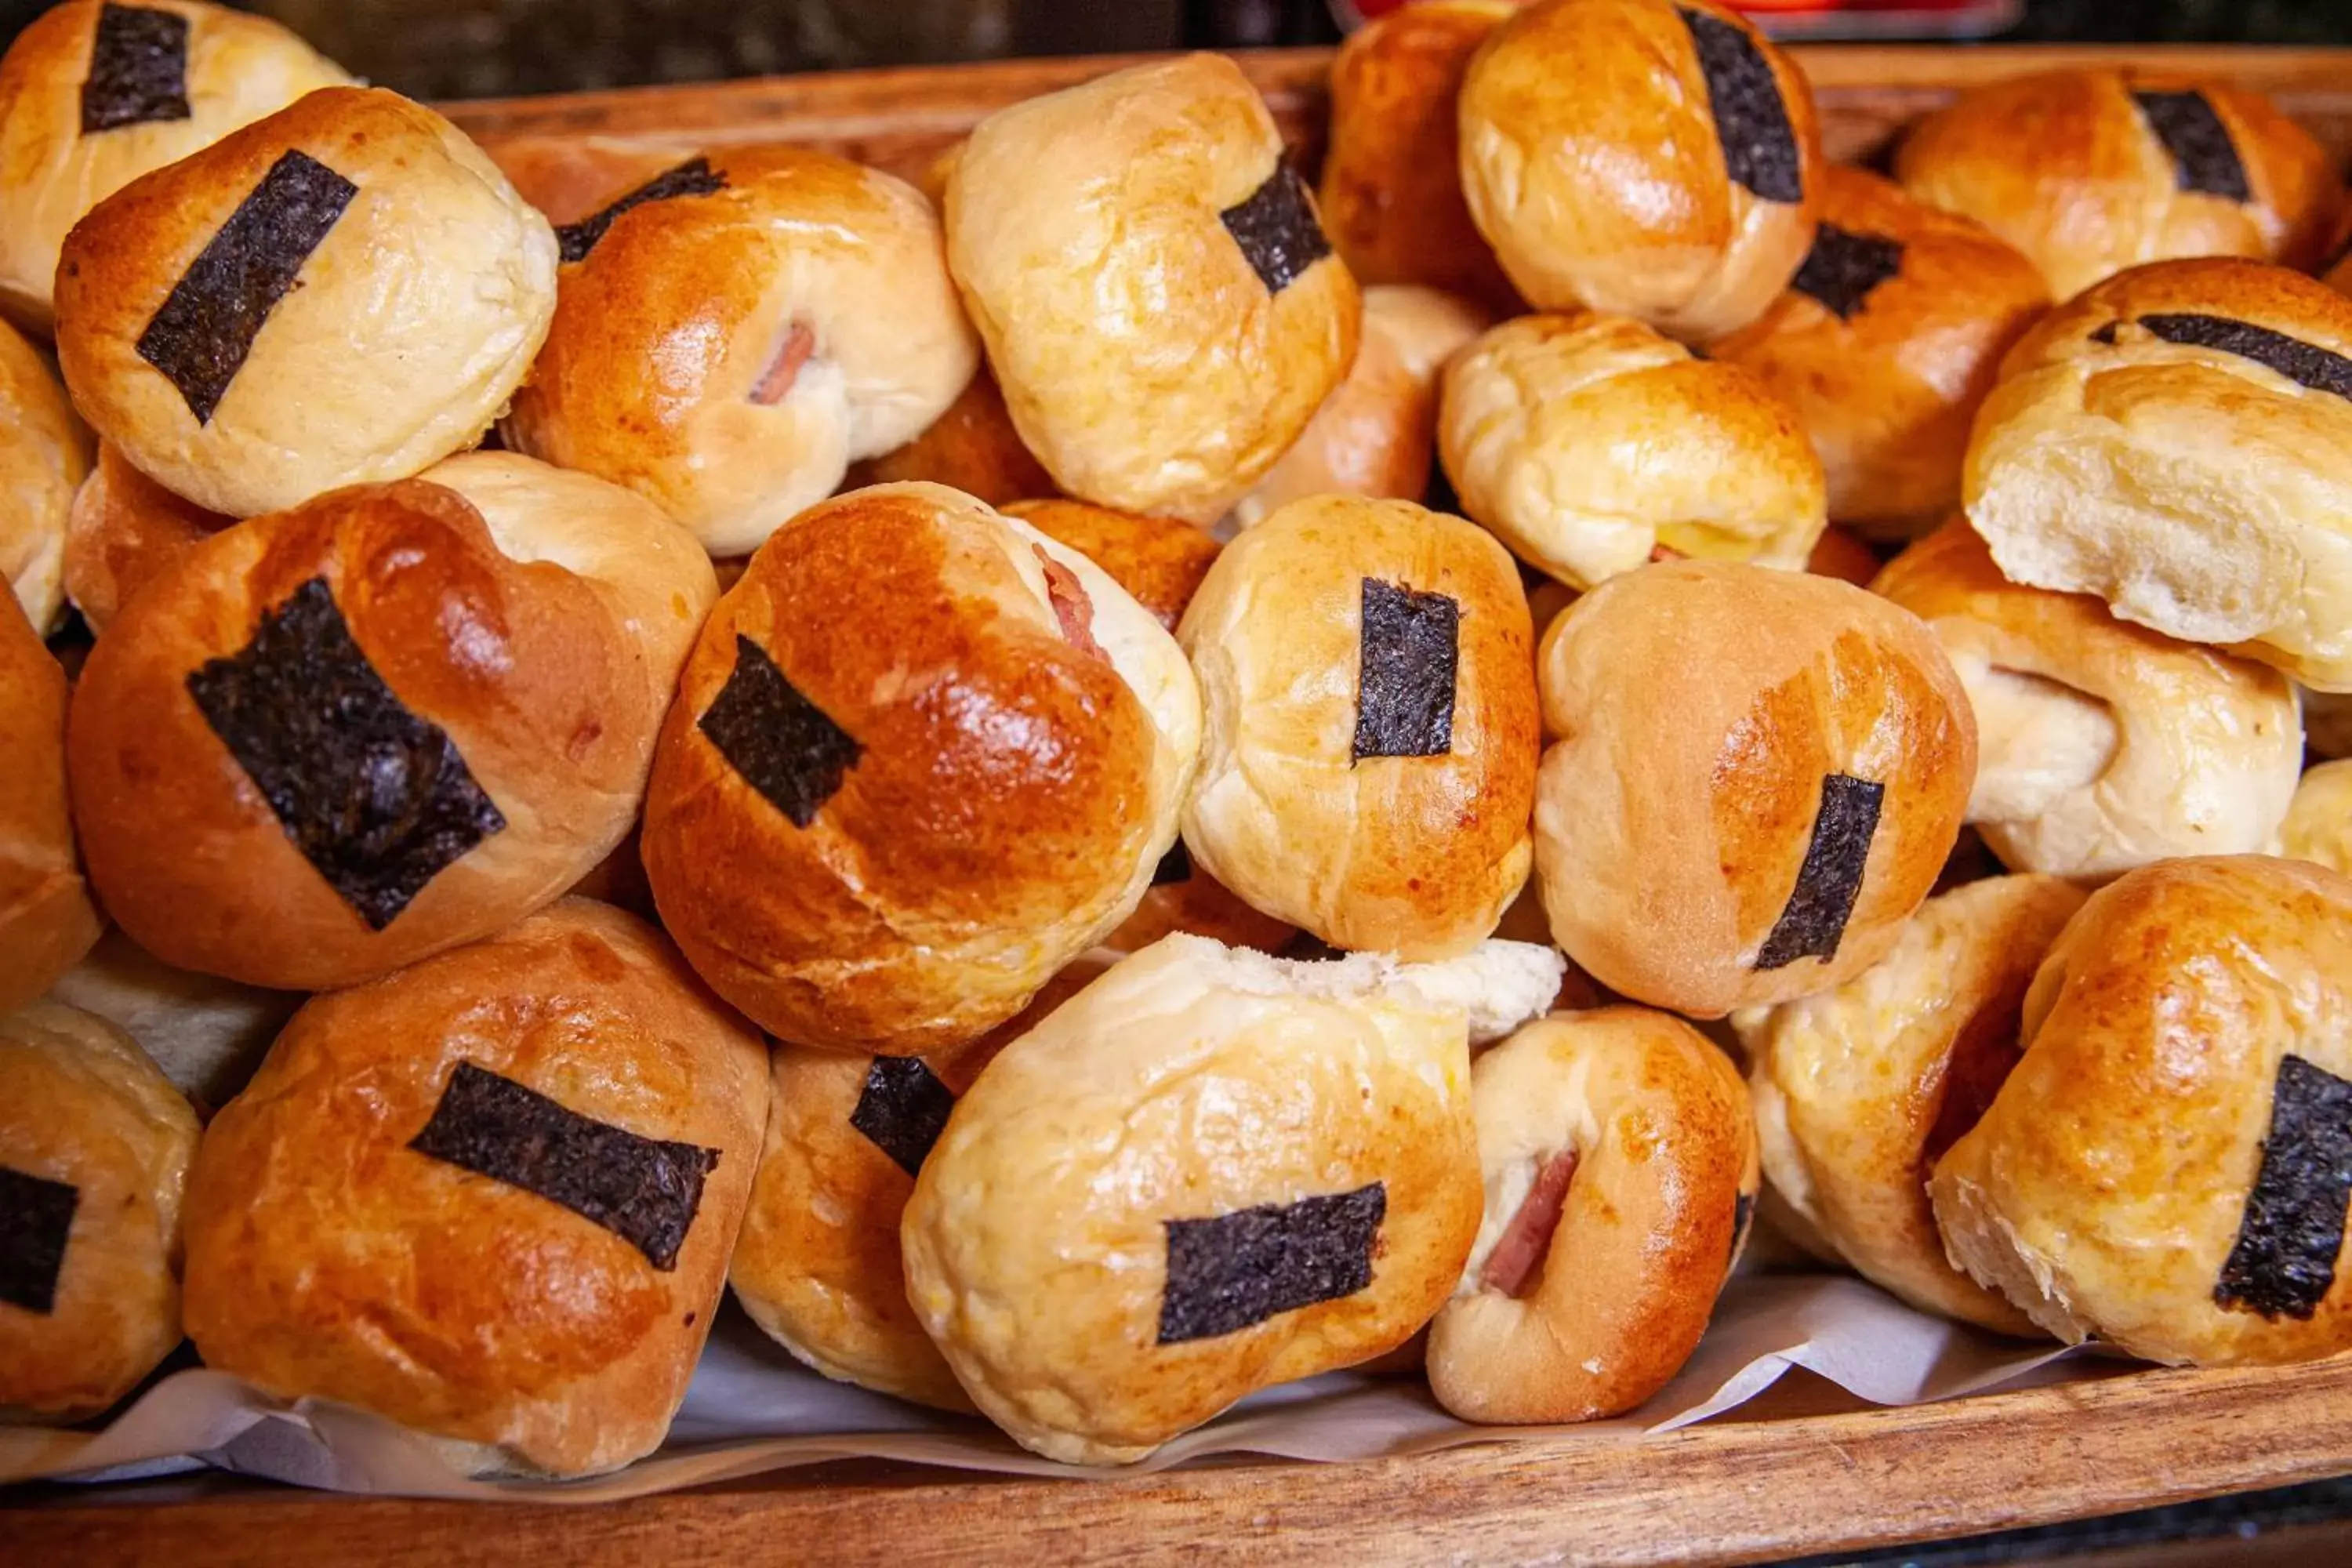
(332, 740)
(1656, 159)
(2090, 170)
(1859, 1091)
(1888, 337)
(1369, 757)
(344, 293)
(731, 334)
(206, 1034)
(1376, 434)
(1758, 777)
(1391, 189)
(1208, 1172)
(1158, 300)
(123, 529)
(922, 757)
(47, 921)
(94, 95)
(2173, 441)
(2166, 1167)
(44, 453)
(971, 447)
(2318, 826)
(491, 1197)
(1618, 1141)
(94, 1149)
(2100, 745)
(1592, 444)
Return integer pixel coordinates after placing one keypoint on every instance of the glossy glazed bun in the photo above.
(47, 921)
(44, 453)
(123, 529)
(971, 447)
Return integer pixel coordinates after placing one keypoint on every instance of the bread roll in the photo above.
(1592, 444)
(1208, 1172)
(345, 292)
(2092, 170)
(922, 757)
(971, 447)
(2100, 745)
(1618, 1143)
(2318, 826)
(123, 529)
(1157, 299)
(1839, 554)
(94, 1148)
(731, 334)
(336, 740)
(47, 921)
(44, 453)
(1656, 159)
(491, 1197)
(2173, 440)
(1886, 341)
(1370, 749)
(1759, 776)
(205, 1033)
(92, 96)
(2168, 1166)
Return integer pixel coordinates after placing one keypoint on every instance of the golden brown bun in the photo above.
(535, 618)
(1391, 190)
(124, 529)
(2107, 1190)
(2318, 826)
(44, 453)
(45, 918)
(1193, 1082)
(1839, 554)
(1592, 162)
(2327, 723)
(971, 447)
(978, 796)
(206, 1034)
(1859, 1091)
(2067, 166)
(2195, 489)
(238, 68)
(1884, 356)
(2100, 745)
(1145, 359)
(401, 335)
(1376, 434)
(1308, 806)
(1706, 709)
(329, 1256)
(81, 1108)
(727, 352)
(1619, 1142)
(1158, 560)
(1592, 444)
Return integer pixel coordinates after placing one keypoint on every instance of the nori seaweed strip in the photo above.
(1276, 230)
(138, 68)
(36, 1222)
(1812, 922)
(1174, 867)
(1241, 1269)
(644, 1190)
(2283, 1262)
(695, 177)
(1759, 146)
(782, 744)
(377, 799)
(2306, 364)
(2204, 158)
(1408, 656)
(902, 1109)
(207, 325)
(1843, 267)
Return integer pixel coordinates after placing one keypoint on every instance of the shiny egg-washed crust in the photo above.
(727, 354)
(1888, 394)
(47, 920)
(1412, 855)
(2065, 166)
(2100, 745)
(1859, 1091)
(971, 447)
(2318, 826)
(538, 617)
(2197, 491)
(1648, 1230)
(1158, 560)
(239, 68)
(44, 453)
(1013, 794)
(81, 1104)
(124, 529)
(410, 325)
(1142, 357)
(1591, 164)
(1701, 704)
(1589, 443)
(1190, 1083)
(326, 1258)
(1391, 188)
(2105, 1188)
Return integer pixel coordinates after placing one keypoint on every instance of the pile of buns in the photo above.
(1121, 781)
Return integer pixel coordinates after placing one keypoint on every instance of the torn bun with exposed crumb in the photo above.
(44, 453)
(47, 920)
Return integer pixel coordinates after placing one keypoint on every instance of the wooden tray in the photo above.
(1803, 1471)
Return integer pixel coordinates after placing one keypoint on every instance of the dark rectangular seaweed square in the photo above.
(2322, 370)
(2204, 158)
(376, 798)
(36, 1222)
(1276, 230)
(138, 68)
(902, 1109)
(1759, 146)
(1843, 267)
(2284, 1263)
(1237, 1269)
(1812, 922)
(695, 177)
(780, 742)
(1409, 650)
(644, 1190)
